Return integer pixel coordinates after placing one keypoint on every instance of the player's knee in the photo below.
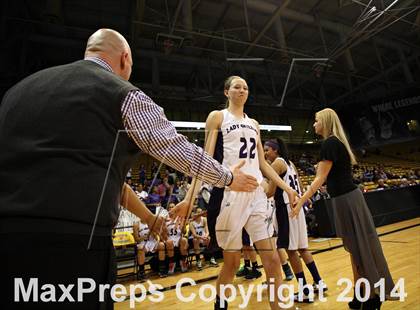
(232, 264)
(272, 262)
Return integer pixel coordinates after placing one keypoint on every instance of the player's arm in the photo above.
(269, 172)
(279, 167)
(213, 123)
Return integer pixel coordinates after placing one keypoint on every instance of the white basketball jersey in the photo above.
(143, 231)
(240, 138)
(174, 233)
(291, 179)
(199, 227)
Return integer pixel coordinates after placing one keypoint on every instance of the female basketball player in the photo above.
(292, 234)
(353, 220)
(176, 240)
(148, 243)
(232, 137)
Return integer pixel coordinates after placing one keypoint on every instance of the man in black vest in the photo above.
(68, 136)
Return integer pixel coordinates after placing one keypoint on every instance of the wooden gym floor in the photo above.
(401, 245)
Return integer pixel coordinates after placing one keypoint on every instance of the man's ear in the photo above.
(123, 60)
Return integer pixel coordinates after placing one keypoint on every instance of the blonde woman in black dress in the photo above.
(353, 220)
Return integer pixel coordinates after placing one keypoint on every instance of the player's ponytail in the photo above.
(282, 150)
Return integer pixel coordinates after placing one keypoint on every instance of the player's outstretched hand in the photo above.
(296, 208)
(242, 182)
(180, 213)
(293, 196)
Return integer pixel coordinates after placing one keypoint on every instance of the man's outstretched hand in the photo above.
(242, 182)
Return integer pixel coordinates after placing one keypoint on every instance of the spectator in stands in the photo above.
(411, 175)
(368, 176)
(175, 190)
(183, 189)
(163, 190)
(382, 175)
(141, 193)
(153, 200)
(154, 168)
(404, 182)
(382, 184)
(130, 183)
(412, 182)
(172, 198)
(321, 193)
(176, 240)
(142, 174)
(303, 161)
(148, 242)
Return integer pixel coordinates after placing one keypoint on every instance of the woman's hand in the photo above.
(293, 196)
(296, 208)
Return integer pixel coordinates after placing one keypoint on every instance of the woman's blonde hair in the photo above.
(331, 126)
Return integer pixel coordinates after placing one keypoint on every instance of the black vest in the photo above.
(63, 150)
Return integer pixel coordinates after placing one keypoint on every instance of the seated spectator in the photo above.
(148, 243)
(412, 182)
(404, 182)
(382, 174)
(368, 176)
(411, 175)
(183, 189)
(163, 190)
(141, 193)
(130, 183)
(382, 185)
(176, 240)
(321, 194)
(154, 199)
